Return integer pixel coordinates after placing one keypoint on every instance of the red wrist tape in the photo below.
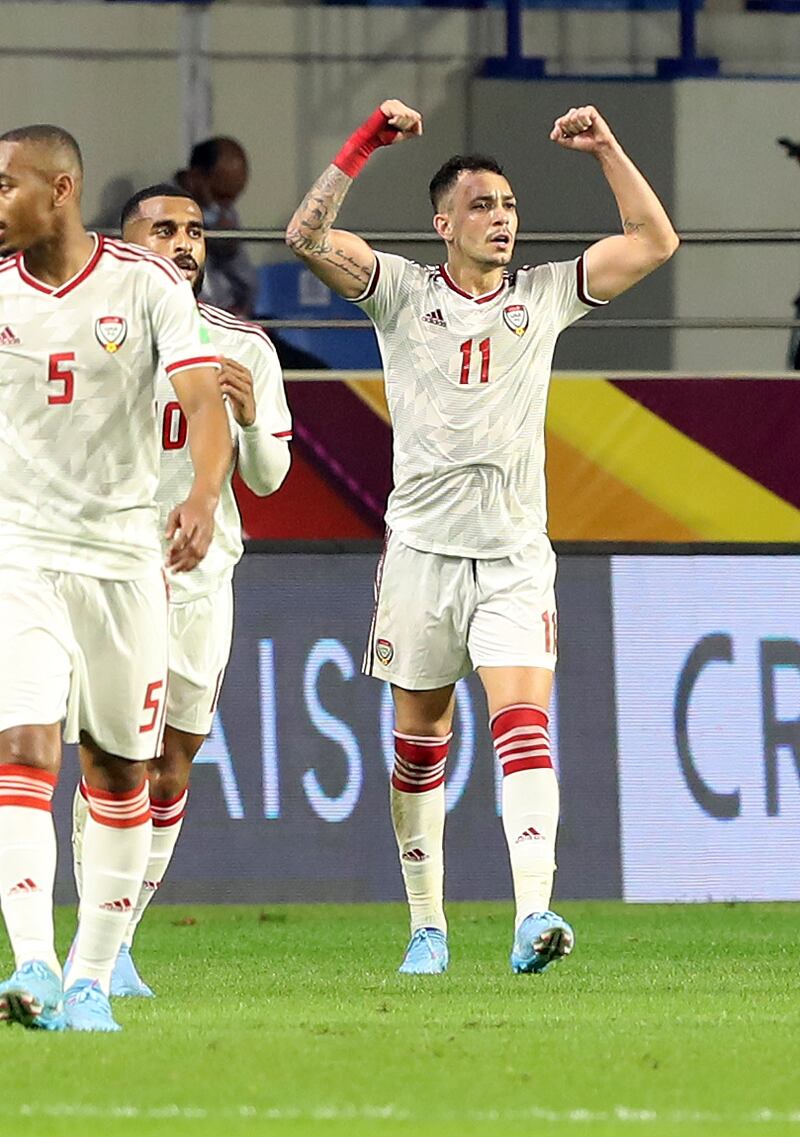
(373, 133)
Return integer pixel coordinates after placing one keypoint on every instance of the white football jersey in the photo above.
(79, 452)
(466, 383)
(249, 345)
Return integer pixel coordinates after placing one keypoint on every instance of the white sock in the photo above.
(530, 804)
(167, 824)
(80, 814)
(418, 811)
(28, 862)
(116, 844)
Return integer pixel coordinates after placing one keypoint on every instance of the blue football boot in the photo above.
(125, 979)
(426, 954)
(542, 938)
(33, 997)
(87, 1007)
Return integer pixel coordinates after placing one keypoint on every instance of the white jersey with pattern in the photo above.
(466, 383)
(79, 452)
(249, 345)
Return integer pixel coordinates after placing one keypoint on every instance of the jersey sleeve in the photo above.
(389, 288)
(570, 292)
(181, 338)
(272, 409)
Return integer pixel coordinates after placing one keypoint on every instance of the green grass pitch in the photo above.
(292, 1020)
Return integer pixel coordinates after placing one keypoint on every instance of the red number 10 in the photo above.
(466, 359)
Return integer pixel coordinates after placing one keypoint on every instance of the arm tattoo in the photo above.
(310, 227)
(632, 226)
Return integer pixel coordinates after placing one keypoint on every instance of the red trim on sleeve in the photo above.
(199, 361)
(583, 294)
(283, 434)
(373, 284)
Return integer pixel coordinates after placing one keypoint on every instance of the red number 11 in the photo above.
(466, 359)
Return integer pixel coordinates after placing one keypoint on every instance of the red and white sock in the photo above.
(116, 845)
(168, 815)
(529, 804)
(418, 810)
(28, 862)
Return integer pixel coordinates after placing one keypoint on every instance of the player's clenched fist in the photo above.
(236, 383)
(582, 128)
(405, 121)
(190, 527)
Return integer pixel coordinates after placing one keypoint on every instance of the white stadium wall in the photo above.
(291, 81)
(730, 174)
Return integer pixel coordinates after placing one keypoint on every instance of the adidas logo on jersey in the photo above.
(7, 337)
(435, 317)
(415, 855)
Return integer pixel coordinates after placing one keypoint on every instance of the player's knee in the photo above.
(426, 714)
(109, 773)
(37, 746)
(166, 784)
(169, 775)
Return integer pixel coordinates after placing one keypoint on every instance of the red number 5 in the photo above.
(152, 702)
(57, 373)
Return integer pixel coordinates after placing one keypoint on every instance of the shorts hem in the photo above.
(417, 682)
(545, 663)
(16, 721)
(117, 751)
(189, 727)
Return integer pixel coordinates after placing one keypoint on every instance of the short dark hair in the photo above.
(205, 155)
(48, 135)
(447, 175)
(163, 189)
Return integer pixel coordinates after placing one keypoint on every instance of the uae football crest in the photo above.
(384, 650)
(111, 332)
(516, 318)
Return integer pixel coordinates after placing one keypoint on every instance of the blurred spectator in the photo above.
(216, 177)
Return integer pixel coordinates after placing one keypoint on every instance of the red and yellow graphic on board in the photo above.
(628, 459)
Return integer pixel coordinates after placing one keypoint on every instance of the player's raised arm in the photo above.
(648, 240)
(191, 524)
(340, 259)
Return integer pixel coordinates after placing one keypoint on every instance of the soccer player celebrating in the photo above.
(170, 221)
(466, 578)
(83, 603)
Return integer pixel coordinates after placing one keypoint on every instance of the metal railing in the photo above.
(562, 237)
(703, 237)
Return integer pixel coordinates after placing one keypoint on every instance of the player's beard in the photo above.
(197, 286)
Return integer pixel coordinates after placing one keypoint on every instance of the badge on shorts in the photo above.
(111, 332)
(516, 318)
(384, 650)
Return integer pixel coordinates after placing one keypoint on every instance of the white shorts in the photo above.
(90, 652)
(436, 618)
(200, 633)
